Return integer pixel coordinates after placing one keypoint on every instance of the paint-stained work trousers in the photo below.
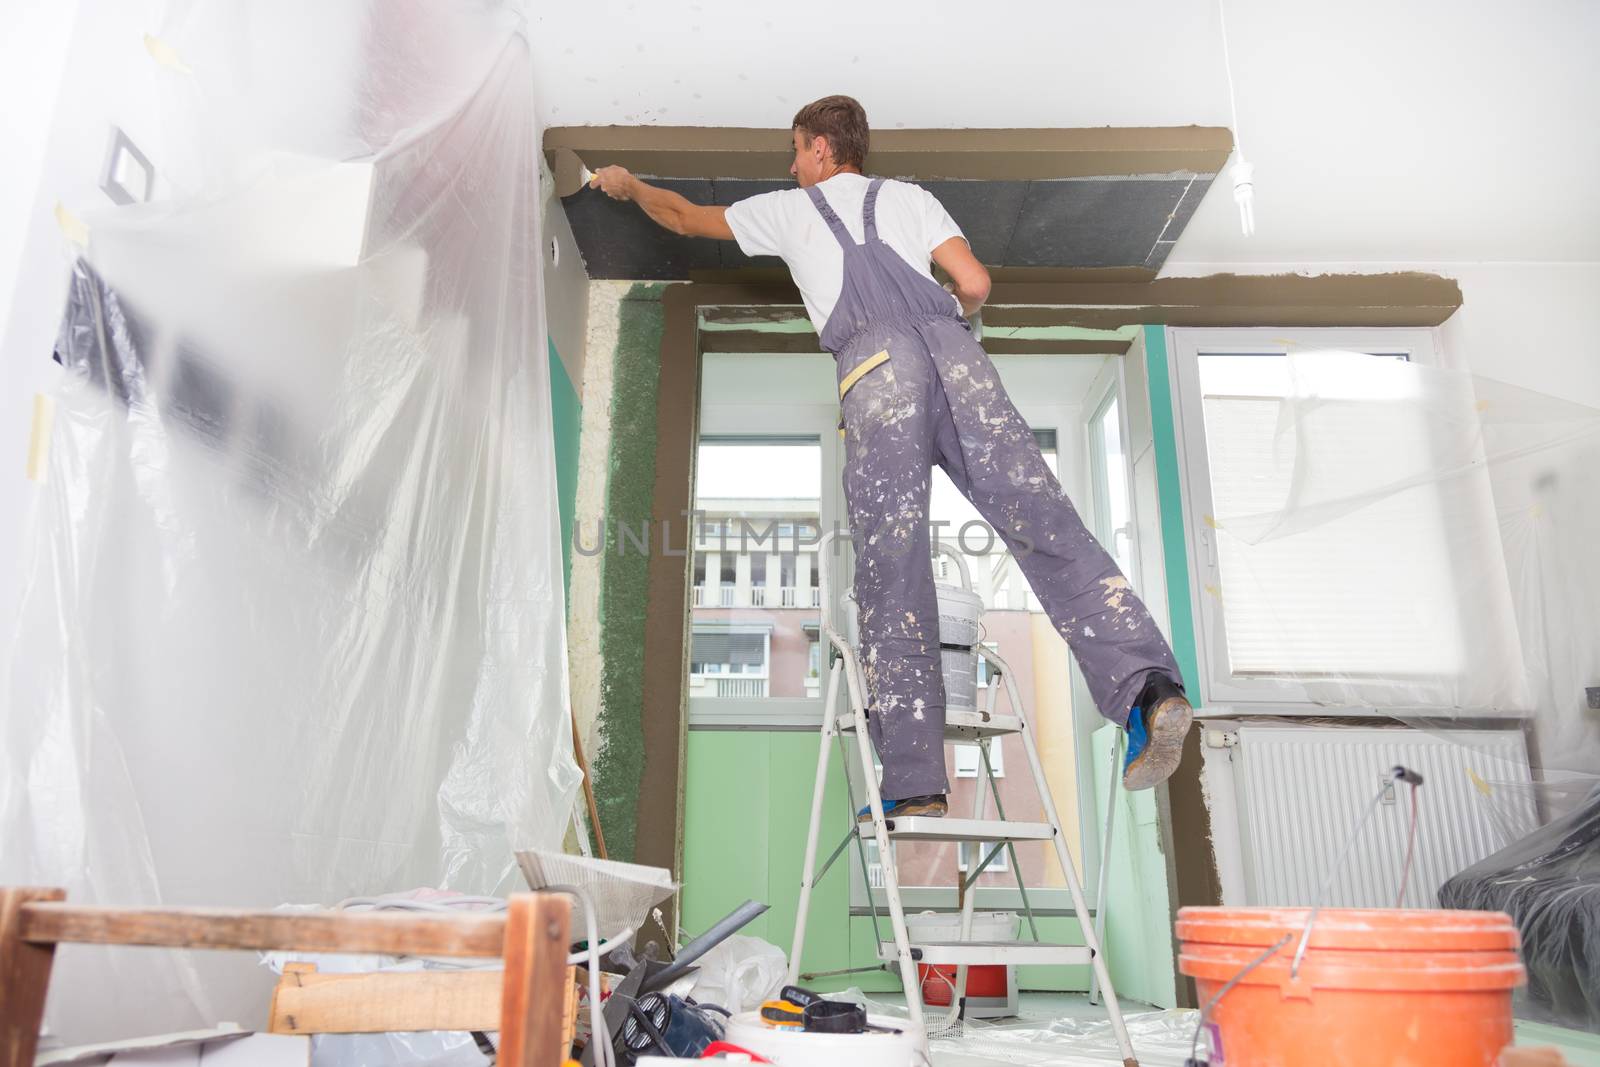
(917, 389)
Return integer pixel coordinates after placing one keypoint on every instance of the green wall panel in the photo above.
(566, 421)
(1138, 945)
(748, 805)
(1170, 494)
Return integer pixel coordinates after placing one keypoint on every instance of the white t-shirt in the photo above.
(786, 223)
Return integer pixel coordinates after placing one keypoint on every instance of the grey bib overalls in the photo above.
(916, 389)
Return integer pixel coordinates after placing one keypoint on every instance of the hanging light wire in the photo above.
(1243, 171)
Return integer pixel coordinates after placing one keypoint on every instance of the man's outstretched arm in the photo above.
(969, 278)
(666, 207)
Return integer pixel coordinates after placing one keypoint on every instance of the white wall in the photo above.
(60, 104)
(33, 52)
(566, 293)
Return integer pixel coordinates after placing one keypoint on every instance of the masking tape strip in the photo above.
(1478, 783)
(855, 376)
(165, 54)
(1210, 520)
(76, 230)
(44, 417)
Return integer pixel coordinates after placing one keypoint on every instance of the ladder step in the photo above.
(925, 828)
(991, 953)
(959, 724)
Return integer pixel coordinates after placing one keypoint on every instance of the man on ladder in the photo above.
(915, 388)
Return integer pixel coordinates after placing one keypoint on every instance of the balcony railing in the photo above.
(727, 686)
(756, 596)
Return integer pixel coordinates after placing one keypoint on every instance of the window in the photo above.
(969, 761)
(1332, 562)
(751, 658)
(986, 671)
(971, 850)
(1109, 483)
(723, 652)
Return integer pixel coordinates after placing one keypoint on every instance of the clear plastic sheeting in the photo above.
(293, 627)
(1042, 1036)
(1160, 1039)
(1443, 525)
(1425, 545)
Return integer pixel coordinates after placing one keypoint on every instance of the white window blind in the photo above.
(732, 649)
(1342, 555)
(969, 761)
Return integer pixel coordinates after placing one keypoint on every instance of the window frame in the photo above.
(1224, 694)
(1110, 387)
(800, 420)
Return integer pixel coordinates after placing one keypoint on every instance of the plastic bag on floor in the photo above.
(1160, 1039)
(740, 973)
(429, 1048)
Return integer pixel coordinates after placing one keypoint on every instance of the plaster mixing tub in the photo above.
(788, 1047)
(1422, 988)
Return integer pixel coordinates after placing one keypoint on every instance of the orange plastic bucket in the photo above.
(1376, 987)
(983, 980)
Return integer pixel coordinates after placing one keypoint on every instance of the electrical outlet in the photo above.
(127, 177)
(1594, 697)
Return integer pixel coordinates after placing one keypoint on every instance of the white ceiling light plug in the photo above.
(1244, 193)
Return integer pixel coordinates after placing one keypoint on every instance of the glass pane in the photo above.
(1113, 516)
(1369, 593)
(754, 613)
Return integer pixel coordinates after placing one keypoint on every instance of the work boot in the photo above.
(1157, 725)
(932, 806)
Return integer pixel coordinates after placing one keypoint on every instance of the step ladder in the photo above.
(986, 837)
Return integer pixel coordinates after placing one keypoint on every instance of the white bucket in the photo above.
(984, 995)
(790, 1047)
(958, 625)
(938, 927)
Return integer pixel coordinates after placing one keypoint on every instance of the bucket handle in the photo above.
(961, 564)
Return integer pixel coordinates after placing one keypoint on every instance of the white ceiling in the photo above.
(1381, 130)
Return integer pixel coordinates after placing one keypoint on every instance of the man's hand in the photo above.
(666, 207)
(615, 182)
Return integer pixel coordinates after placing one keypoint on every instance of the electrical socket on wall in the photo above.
(127, 176)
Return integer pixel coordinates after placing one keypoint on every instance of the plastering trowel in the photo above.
(571, 174)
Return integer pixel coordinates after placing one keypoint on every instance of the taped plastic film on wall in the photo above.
(1425, 545)
(293, 629)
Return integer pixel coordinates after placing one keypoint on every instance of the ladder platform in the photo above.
(928, 828)
(960, 724)
(991, 953)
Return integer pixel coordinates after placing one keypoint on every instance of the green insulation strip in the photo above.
(630, 486)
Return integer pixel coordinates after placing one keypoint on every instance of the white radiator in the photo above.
(1303, 789)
